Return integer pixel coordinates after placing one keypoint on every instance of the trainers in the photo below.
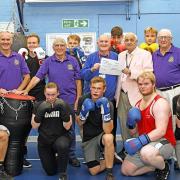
(109, 176)
(63, 176)
(119, 157)
(5, 176)
(74, 162)
(164, 173)
(176, 166)
(26, 164)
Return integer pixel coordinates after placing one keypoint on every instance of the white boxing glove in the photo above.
(40, 53)
(3, 128)
(23, 52)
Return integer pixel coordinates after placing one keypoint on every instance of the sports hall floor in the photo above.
(77, 173)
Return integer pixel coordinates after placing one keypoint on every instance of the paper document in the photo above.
(109, 66)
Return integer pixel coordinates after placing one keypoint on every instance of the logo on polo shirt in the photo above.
(70, 67)
(52, 114)
(16, 62)
(171, 59)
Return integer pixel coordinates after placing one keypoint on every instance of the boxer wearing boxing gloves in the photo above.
(52, 117)
(34, 60)
(116, 40)
(94, 116)
(35, 57)
(74, 49)
(155, 143)
(150, 36)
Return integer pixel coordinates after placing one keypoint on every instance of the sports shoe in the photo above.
(176, 166)
(5, 176)
(26, 164)
(74, 162)
(63, 176)
(164, 173)
(119, 157)
(109, 176)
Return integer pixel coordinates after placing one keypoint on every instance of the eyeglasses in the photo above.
(59, 45)
(164, 37)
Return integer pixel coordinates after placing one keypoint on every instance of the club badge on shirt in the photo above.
(171, 59)
(16, 62)
(70, 67)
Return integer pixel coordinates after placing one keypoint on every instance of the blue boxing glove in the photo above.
(134, 116)
(103, 103)
(78, 51)
(135, 144)
(68, 51)
(88, 105)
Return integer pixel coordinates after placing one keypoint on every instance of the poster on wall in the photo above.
(88, 41)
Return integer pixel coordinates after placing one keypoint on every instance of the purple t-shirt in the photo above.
(167, 67)
(12, 69)
(64, 74)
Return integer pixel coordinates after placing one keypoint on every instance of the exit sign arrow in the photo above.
(75, 23)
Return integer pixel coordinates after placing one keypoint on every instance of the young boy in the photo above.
(150, 35)
(116, 40)
(74, 49)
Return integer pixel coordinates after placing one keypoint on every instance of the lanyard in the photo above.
(128, 65)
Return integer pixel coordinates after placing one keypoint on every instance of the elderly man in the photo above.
(166, 63)
(64, 70)
(133, 62)
(91, 69)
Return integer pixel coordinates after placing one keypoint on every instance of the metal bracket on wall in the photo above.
(127, 11)
(139, 12)
(20, 6)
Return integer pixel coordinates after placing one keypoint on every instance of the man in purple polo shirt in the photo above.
(64, 70)
(14, 76)
(14, 73)
(166, 64)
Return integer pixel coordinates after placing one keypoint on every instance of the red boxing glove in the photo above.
(120, 47)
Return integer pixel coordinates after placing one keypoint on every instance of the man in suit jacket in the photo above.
(133, 62)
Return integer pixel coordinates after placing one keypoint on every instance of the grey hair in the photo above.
(131, 34)
(167, 31)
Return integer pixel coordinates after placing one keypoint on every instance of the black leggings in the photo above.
(50, 162)
(114, 121)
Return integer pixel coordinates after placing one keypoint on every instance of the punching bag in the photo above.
(19, 41)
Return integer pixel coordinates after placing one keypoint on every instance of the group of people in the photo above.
(69, 88)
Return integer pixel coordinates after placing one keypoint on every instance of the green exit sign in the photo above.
(75, 23)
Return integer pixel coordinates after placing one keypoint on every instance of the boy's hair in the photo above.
(74, 37)
(147, 75)
(116, 31)
(33, 35)
(151, 29)
(51, 85)
(98, 79)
